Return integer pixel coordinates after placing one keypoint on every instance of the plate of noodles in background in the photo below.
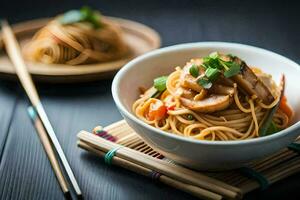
(79, 45)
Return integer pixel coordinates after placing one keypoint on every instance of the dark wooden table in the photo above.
(25, 172)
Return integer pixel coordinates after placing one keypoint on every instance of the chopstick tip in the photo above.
(79, 197)
(67, 195)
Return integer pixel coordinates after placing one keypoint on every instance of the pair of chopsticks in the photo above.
(38, 114)
(177, 176)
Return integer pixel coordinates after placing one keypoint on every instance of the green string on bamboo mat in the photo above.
(295, 147)
(110, 154)
(251, 173)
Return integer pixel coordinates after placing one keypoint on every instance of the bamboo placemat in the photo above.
(119, 145)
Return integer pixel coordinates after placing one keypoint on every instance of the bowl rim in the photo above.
(211, 44)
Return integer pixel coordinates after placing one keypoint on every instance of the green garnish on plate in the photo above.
(85, 14)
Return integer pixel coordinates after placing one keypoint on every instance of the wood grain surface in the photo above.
(25, 172)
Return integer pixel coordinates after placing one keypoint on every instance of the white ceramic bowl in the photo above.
(205, 155)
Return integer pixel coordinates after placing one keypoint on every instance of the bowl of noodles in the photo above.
(211, 105)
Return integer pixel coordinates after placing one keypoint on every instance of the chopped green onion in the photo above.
(190, 117)
(194, 71)
(272, 129)
(234, 69)
(156, 94)
(85, 14)
(160, 83)
(91, 16)
(71, 17)
(212, 74)
(204, 82)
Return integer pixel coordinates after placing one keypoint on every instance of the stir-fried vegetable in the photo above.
(272, 129)
(285, 107)
(265, 128)
(215, 66)
(85, 14)
(212, 73)
(194, 71)
(253, 85)
(160, 83)
(233, 69)
(157, 110)
(204, 82)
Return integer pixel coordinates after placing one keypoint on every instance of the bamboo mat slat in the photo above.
(137, 156)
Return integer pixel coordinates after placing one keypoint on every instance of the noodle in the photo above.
(76, 43)
(241, 120)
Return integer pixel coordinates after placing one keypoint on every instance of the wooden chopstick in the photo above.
(14, 53)
(177, 172)
(49, 151)
(196, 191)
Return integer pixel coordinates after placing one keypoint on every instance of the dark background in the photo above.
(25, 172)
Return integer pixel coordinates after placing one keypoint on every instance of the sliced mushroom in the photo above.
(221, 89)
(208, 105)
(253, 85)
(188, 81)
(188, 93)
(224, 81)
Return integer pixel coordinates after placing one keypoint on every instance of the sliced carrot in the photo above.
(284, 106)
(157, 110)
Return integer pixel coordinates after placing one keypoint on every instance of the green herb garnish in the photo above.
(190, 117)
(212, 73)
(194, 71)
(160, 83)
(85, 14)
(233, 69)
(214, 66)
(272, 129)
(156, 94)
(204, 82)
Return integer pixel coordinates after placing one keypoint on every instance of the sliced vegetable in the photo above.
(156, 94)
(160, 83)
(85, 14)
(221, 89)
(211, 62)
(91, 16)
(272, 129)
(216, 66)
(233, 69)
(190, 117)
(157, 110)
(188, 81)
(171, 107)
(268, 120)
(204, 82)
(212, 73)
(71, 17)
(194, 71)
(285, 107)
(253, 85)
